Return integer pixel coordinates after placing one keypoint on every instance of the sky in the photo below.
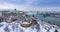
(31, 5)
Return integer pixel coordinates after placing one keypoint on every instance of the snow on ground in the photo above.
(15, 27)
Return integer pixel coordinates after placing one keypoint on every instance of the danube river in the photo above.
(49, 19)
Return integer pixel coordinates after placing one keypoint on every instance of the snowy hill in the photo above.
(15, 27)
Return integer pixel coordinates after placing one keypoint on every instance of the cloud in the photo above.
(28, 8)
(33, 2)
(12, 6)
(24, 7)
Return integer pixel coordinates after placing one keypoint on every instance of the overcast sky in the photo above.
(31, 5)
